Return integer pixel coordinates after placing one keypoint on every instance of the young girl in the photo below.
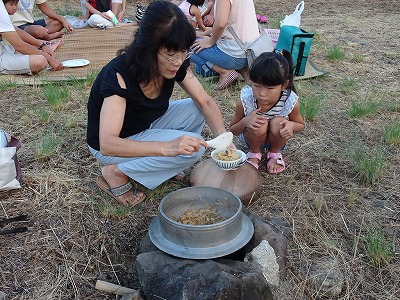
(268, 112)
(193, 13)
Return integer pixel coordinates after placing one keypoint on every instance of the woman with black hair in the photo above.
(134, 130)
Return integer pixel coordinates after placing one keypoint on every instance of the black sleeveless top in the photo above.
(140, 111)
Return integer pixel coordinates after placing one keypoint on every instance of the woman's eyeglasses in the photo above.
(174, 59)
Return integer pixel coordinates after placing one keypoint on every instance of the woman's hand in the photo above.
(185, 144)
(202, 43)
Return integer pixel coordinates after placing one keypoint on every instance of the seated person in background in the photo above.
(45, 29)
(192, 11)
(16, 55)
(219, 51)
(49, 47)
(97, 10)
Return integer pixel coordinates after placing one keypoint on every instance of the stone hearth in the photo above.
(239, 275)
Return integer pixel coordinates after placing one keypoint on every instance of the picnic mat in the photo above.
(311, 71)
(97, 46)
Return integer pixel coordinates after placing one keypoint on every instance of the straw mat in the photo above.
(97, 46)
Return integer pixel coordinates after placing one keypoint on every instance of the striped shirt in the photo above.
(282, 108)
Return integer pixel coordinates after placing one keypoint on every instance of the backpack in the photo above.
(298, 43)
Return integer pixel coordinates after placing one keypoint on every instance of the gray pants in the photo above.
(182, 117)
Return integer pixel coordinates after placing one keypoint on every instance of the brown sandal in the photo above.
(119, 191)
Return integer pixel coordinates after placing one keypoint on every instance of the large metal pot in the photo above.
(200, 241)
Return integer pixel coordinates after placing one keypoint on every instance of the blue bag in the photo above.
(298, 43)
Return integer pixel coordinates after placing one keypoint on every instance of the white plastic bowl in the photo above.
(228, 164)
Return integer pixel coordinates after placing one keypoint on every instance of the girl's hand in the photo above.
(287, 129)
(185, 144)
(254, 120)
(202, 43)
(105, 16)
(120, 16)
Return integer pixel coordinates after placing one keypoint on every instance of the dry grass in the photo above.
(78, 235)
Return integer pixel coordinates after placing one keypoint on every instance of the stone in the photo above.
(146, 245)
(163, 276)
(266, 231)
(326, 278)
(229, 277)
(263, 257)
(3, 296)
(281, 224)
(132, 296)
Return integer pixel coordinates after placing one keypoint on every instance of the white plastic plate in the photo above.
(74, 63)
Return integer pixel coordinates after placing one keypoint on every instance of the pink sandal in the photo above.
(253, 155)
(277, 158)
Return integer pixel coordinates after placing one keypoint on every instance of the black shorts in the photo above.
(40, 22)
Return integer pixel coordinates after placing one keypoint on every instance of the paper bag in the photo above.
(10, 169)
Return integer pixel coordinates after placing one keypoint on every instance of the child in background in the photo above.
(193, 13)
(50, 47)
(47, 28)
(268, 112)
(97, 12)
(21, 53)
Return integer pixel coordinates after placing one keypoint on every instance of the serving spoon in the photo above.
(222, 141)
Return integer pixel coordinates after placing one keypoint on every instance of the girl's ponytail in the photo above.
(286, 54)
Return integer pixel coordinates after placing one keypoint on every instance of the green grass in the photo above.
(378, 248)
(43, 114)
(57, 95)
(358, 58)
(110, 209)
(336, 53)
(392, 133)
(317, 41)
(69, 10)
(91, 76)
(361, 109)
(349, 85)
(6, 84)
(369, 165)
(310, 106)
(47, 146)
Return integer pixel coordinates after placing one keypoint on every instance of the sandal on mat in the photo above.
(119, 191)
(275, 158)
(232, 76)
(253, 155)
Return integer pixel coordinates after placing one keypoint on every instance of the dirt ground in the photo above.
(77, 235)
